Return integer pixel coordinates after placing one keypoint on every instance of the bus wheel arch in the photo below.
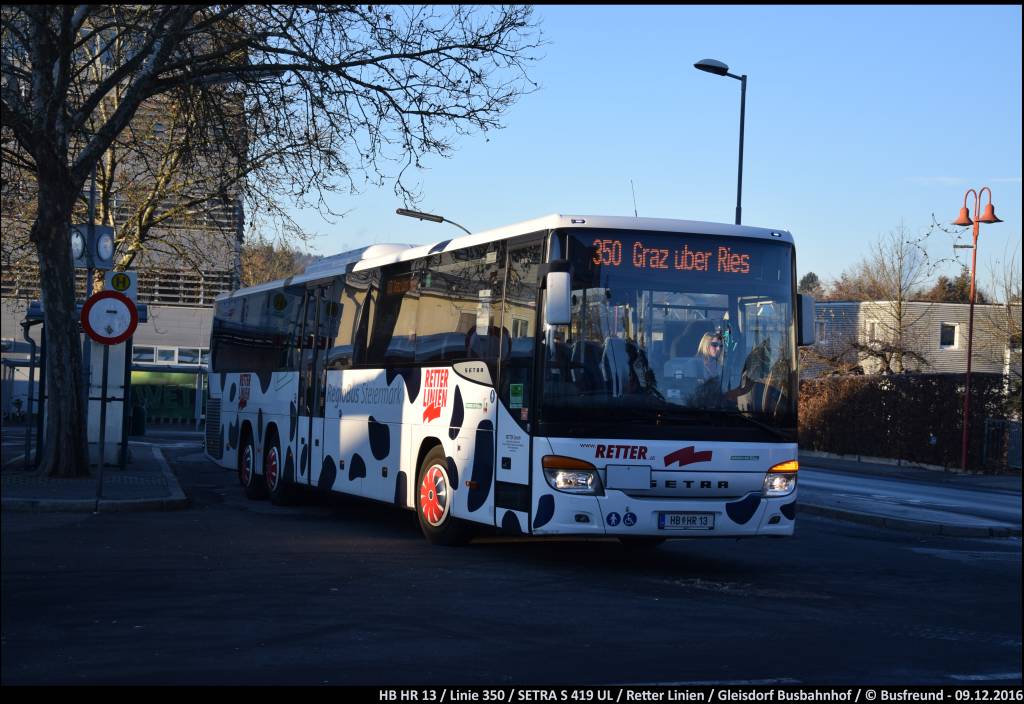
(276, 479)
(248, 476)
(433, 498)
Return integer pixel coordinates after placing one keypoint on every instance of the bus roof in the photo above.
(368, 258)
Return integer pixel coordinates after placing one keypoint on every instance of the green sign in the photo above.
(515, 392)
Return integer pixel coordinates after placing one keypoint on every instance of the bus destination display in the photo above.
(721, 259)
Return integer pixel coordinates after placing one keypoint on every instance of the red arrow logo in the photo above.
(687, 456)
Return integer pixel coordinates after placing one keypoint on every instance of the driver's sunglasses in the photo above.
(715, 344)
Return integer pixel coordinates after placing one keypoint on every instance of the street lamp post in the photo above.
(720, 69)
(988, 217)
(431, 217)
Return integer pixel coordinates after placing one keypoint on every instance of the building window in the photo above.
(166, 355)
(872, 331)
(820, 331)
(948, 336)
(188, 355)
(521, 328)
(142, 354)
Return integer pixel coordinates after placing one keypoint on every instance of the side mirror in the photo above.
(558, 300)
(805, 320)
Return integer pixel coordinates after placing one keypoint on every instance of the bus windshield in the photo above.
(672, 329)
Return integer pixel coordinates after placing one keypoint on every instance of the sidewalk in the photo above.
(910, 472)
(145, 484)
(913, 499)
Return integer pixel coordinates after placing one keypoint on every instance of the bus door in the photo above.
(515, 410)
(308, 444)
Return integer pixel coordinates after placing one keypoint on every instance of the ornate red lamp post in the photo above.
(988, 217)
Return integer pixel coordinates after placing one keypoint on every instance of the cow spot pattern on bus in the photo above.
(458, 415)
(289, 466)
(400, 490)
(411, 377)
(789, 510)
(223, 380)
(483, 466)
(357, 468)
(265, 378)
(304, 459)
(439, 247)
(233, 435)
(380, 439)
(453, 473)
(327, 475)
(545, 511)
(231, 394)
(293, 419)
(259, 424)
(510, 523)
(743, 510)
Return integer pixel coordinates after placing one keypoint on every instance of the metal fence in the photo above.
(1002, 443)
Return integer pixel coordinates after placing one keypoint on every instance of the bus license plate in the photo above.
(686, 521)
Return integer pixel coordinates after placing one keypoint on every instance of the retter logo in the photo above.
(435, 393)
(244, 389)
(687, 456)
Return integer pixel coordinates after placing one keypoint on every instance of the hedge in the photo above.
(912, 417)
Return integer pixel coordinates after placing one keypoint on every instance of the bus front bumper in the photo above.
(617, 514)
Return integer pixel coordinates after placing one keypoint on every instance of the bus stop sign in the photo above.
(109, 317)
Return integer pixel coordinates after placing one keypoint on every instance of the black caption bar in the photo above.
(699, 694)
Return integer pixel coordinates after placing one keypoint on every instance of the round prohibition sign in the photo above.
(109, 317)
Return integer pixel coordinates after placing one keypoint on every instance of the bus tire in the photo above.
(278, 484)
(641, 542)
(434, 500)
(247, 477)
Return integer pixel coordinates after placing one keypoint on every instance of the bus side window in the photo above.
(519, 320)
(455, 315)
(394, 327)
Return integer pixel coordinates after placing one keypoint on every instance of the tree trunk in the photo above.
(65, 450)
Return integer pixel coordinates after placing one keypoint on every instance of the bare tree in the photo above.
(328, 94)
(1005, 283)
(888, 279)
(264, 260)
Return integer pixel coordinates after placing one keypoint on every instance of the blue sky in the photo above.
(858, 118)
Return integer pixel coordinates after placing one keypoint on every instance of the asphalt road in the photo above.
(237, 592)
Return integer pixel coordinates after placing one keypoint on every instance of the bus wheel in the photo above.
(279, 486)
(434, 503)
(254, 488)
(641, 542)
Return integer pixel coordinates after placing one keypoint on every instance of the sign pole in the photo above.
(90, 243)
(126, 395)
(103, 425)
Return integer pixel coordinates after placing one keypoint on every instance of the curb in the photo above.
(919, 527)
(176, 501)
(87, 506)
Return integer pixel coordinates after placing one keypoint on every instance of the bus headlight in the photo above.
(571, 475)
(778, 484)
(781, 479)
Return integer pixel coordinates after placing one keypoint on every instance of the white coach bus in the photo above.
(569, 375)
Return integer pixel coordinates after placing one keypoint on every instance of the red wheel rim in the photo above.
(272, 468)
(434, 495)
(246, 469)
